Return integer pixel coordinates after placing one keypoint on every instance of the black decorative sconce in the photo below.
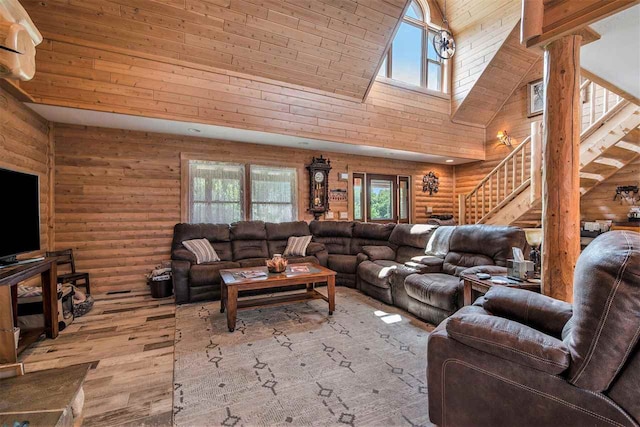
(430, 183)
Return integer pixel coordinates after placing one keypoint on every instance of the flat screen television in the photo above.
(19, 214)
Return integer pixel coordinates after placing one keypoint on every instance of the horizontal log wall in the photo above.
(24, 147)
(118, 193)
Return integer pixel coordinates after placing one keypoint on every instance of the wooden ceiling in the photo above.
(331, 45)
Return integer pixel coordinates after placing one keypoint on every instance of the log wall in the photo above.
(25, 147)
(118, 193)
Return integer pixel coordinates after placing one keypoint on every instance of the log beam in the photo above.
(561, 182)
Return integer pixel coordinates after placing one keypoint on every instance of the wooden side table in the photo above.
(473, 283)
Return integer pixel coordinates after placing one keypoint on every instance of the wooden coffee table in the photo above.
(473, 283)
(233, 282)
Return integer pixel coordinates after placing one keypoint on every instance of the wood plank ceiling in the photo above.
(331, 45)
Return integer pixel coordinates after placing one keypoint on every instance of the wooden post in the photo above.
(561, 183)
(462, 209)
(536, 161)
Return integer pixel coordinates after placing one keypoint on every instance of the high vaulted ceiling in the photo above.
(331, 45)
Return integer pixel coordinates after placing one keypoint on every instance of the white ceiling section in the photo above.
(145, 124)
(616, 56)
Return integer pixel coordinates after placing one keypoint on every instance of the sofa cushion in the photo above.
(342, 263)
(217, 234)
(335, 245)
(435, 289)
(248, 230)
(358, 243)
(406, 253)
(284, 230)
(492, 241)
(297, 246)
(331, 228)
(253, 262)
(209, 273)
(244, 249)
(375, 253)
(415, 235)
(377, 273)
(456, 262)
(372, 231)
(202, 250)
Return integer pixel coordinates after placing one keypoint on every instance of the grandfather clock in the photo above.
(319, 186)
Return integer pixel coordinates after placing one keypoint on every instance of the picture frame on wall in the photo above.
(535, 97)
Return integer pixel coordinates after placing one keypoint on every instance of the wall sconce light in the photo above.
(504, 138)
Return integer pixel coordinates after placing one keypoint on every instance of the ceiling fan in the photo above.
(443, 42)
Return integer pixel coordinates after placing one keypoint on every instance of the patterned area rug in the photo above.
(293, 365)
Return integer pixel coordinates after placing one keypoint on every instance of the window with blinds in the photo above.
(216, 193)
(273, 194)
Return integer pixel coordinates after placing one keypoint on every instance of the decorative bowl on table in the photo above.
(277, 264)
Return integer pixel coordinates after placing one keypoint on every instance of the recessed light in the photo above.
(449, 161)
(194, 130)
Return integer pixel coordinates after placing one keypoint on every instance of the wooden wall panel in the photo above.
(599, 203)
(118, 193)
(334, 46)
(24, 146)
(499, 79)
(480, 28)
(91, 78)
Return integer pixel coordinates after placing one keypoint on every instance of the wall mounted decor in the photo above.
(319, 186)
(430, 183)
(535, 96)
(338, 195)
(627, 192)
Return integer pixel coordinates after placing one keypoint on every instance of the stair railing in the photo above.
(603, 104)
(522, 168)
(516, 172)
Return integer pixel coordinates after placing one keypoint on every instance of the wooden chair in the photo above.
(66, 257)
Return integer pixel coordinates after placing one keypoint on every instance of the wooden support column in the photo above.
(561, 181)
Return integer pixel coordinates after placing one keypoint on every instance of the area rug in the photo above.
(294, 365)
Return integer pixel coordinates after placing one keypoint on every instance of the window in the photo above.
(412, 58)
(403, 199)
(358, 197)
(381, 198)
(273, 194)
(217, 193)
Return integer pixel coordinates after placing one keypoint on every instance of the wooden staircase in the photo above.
(512, 192)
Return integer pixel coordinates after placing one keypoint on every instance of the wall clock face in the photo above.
(318, 177)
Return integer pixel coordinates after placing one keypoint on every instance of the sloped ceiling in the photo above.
(480, 28)
(332, 45)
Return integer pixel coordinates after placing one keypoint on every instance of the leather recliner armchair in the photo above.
(519, 358)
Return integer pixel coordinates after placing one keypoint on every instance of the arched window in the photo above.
(411, 58)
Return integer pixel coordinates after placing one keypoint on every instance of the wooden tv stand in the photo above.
(9, 279)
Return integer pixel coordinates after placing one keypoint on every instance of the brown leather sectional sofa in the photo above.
(385, 261)
(519, 358)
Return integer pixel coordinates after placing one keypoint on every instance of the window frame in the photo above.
(365, 197)
(246, 205)
(249, 198)
(426, 26)
(190, 181)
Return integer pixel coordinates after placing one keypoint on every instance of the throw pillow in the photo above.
(297, 246)
(202, 249)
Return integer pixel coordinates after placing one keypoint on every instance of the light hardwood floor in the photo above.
(129, 338)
